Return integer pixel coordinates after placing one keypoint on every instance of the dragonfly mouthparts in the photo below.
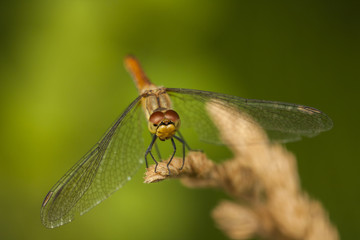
(166, 122)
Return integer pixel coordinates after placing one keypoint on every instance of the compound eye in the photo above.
(172, 115)
(156, 118)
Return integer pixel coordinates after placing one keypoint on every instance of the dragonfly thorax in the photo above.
(164, 124)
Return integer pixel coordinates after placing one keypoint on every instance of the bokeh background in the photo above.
(63, 84)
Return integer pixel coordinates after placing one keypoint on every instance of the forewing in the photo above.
(282, 121)
(102, 171)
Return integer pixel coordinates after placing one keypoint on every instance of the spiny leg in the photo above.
(148, 151)
(156, 163)
(183, 141)
(187, 145)
(183, 144)
(174, 146)
(157, 149)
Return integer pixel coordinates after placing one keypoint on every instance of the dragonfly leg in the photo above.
(172, 156)
(187, 145)
(157, 149)
(156, 163)
(183, 144)
(183, 141)
(148, 151)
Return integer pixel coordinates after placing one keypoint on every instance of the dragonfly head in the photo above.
(164, 124)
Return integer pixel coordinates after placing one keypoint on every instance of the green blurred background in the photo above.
(63, 84)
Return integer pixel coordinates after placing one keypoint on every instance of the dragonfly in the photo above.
(117, 156)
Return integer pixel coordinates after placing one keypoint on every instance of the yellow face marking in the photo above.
(166, 131)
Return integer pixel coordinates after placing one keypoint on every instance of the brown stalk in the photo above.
(261, 178)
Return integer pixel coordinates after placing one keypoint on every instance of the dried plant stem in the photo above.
(262, 179)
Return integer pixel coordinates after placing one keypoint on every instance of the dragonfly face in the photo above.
(164, 124)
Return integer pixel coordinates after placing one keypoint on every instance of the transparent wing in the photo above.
(102, 171)
(282, 121)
